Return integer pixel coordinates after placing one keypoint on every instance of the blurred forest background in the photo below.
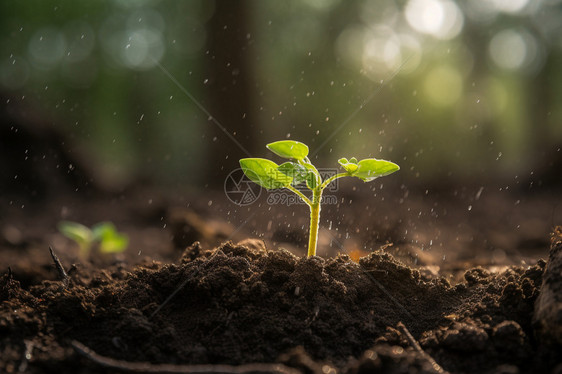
(175, 92)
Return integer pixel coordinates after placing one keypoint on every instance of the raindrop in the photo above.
(479, 193)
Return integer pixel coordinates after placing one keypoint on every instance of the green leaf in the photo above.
(289, 149)
(114, 244)
(349, 165)
(77, 232)
(311, 180)
(103, 229)
(370, 169)
(298, 172)
(110, 240)
(265, 173)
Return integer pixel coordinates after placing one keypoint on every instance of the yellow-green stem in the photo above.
(314, 221)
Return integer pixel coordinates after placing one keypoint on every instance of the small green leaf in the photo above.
(348, 165)
(298, 172)
(103, 229)
(289, 149)
(265, 173)
(353, 160)
(114, 244)
(77, 232)
(371, 168)
(110, 240)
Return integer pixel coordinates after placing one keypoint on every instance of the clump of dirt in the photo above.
(242, 304)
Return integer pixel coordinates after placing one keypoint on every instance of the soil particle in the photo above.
(465, 337)
(387, 359)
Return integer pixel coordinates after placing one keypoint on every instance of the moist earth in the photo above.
(244, 304)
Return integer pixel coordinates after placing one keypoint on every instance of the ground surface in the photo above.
(161, 303)
(408, 279)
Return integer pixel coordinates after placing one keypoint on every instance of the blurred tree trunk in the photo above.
(232, 132)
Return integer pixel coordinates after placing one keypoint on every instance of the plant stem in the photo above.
(300, 194)
(333, 178)
(314, 221)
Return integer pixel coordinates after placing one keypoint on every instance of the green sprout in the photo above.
(270, 176)
(104, 233)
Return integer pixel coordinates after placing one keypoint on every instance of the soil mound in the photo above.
(244, 304)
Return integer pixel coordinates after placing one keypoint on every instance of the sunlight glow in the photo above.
(441, 19)
(515, 50)
(136, 42)
(381, 52)
(443, 86)
(143, 48)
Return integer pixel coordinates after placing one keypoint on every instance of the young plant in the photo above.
(104, 233)
(299, 169)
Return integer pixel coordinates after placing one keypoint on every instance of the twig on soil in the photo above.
(146, 367)
(414, 343)
(60, 269)
(26, 356)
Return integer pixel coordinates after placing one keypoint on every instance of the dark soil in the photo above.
(240, 304)
(408, 280)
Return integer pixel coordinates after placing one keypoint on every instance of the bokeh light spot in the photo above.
(46, 48)
(143, 49)
(441, 19)
(515, 50)
(81, 41)
(443, 86)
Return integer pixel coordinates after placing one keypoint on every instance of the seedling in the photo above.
(104, 233)
(299, 169)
